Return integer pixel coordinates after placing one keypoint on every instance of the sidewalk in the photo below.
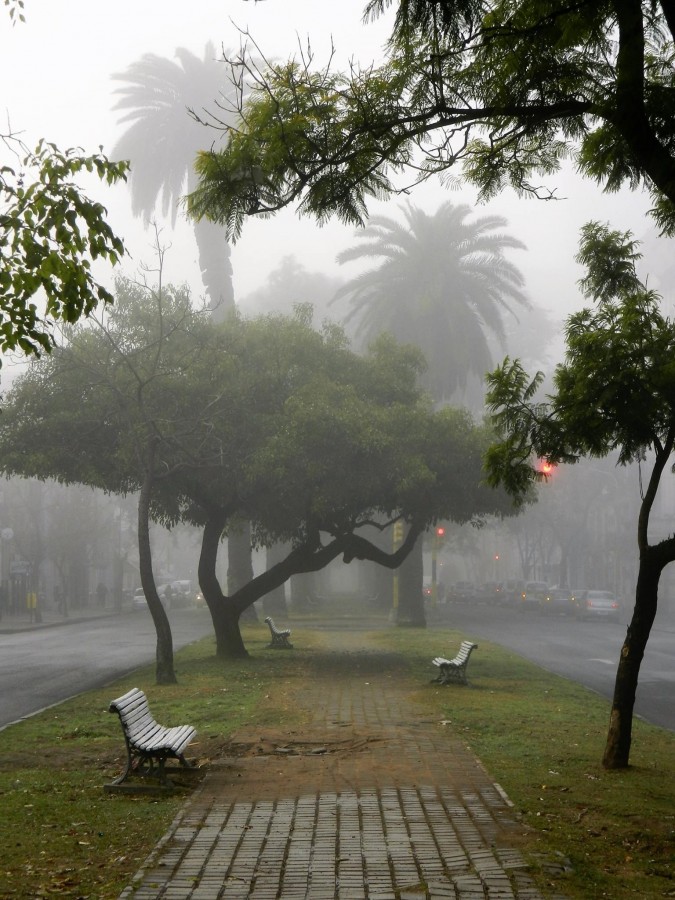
(11, 623)
(369, 802)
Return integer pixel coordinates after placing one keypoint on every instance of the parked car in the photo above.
(557, 602)
(181, 593)
(463, 592)
(597, 604)
(512, 593)
(138, 601)
(532, 595)
(490, 592)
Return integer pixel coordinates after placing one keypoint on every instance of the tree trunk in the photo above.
(214, 262)
(240, 564)
(225, 617)
(164, 669)
(302, 586)
(274, 603)
(617, 748)
(411, 589)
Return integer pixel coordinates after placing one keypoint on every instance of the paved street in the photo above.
(41, 665)
(586, 651)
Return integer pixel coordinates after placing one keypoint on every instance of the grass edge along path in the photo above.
(610, 834)
(593, 833)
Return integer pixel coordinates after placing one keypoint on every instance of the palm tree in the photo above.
(162, 143)
(443, 284)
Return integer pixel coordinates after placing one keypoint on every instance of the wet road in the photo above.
(44, 666)
(584, 651)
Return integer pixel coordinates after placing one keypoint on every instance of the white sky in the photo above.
(55, 82)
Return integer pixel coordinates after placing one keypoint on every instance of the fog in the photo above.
(56, 74)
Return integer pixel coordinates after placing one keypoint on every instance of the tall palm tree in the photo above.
(443, 283)
(162, 143)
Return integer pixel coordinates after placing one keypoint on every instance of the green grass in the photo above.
(540, 737)
(60, 834)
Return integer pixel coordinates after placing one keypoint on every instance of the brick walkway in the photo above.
(393, 806)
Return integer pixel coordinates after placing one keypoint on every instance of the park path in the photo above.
(371, 801)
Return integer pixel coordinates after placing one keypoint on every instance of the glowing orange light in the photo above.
(546, 467)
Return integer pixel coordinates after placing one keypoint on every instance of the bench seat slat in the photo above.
(146, 739)
(279, 636)
(454, 670)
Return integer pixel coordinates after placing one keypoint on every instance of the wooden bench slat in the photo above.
(279, 636)
(454, 670)
(145, 738)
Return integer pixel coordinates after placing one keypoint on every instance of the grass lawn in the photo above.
(540, 737)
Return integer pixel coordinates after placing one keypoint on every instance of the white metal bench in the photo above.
(149, 744)
(453, 671)
(279, 636)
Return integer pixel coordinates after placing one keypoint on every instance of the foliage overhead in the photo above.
(615, 389)
(50, 233)
(505, 88)
(162, 101)
(162, 139)
(265, 419)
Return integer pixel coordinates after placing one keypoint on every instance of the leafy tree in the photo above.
(614, 391)
(97, 411)
(15, 10)
(442, 283)
(50, 232)
(505, 88)
(162, 142)
(267, 420)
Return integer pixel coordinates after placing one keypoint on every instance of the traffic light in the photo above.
(440, 531)
(546, 467)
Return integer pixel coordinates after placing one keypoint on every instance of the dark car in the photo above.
(597, 605)
(532, 595)
(557, 602)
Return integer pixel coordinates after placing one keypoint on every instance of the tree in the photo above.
(99, 410)
(50, 232)
(266, 420)
(442, 283)
(162, 142)
(615, 390)
(505, 88)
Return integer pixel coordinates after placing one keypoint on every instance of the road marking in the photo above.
(607, 662)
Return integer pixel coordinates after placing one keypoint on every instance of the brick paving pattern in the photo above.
(424, 821)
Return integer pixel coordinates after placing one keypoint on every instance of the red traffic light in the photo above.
(546, 467)
(440, 531)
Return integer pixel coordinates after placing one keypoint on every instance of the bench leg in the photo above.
(127, 771)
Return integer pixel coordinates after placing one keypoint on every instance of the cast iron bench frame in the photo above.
(149, 744)
(279, 636)
(453, 671)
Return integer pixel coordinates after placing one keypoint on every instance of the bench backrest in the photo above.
(465, 650)
(133, 710)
